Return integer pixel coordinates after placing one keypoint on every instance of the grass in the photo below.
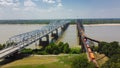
(31, 60)
(49, 65)
(101, 58)
(60, 61)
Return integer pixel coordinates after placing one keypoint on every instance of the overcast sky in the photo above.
(59, 9)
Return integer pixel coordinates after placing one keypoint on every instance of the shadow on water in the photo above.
(12, 59)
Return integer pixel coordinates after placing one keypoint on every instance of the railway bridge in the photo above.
(83, 41)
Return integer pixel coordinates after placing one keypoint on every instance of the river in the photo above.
(98, 32)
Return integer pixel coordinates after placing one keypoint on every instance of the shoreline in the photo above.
(116, 24)
(101, 24)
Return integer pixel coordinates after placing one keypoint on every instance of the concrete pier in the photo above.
(43, 42)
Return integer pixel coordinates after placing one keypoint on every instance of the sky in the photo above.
(59, 9)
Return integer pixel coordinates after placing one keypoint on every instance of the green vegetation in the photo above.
(84, 21)
(24, 21)
(113, 62)
(82, 62)
(75, 50)
(26, 51)
(74, 59)
(38, 62)
(53, 48)
(111, 50)
(58, 61)
(1, 46)
(6, 45)
(100, 21)
(50, 65)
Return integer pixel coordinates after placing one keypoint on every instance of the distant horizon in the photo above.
(59, 19)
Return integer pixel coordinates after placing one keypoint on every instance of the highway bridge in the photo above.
(18, 42)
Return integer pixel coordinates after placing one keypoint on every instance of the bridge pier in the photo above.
(44, 42)
(55, 35)
(80, 40)
(81, 43)
(63, 28)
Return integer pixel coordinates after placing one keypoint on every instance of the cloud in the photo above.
(28, 9)
(59, 1)
(29, 3)
(49, 1)
(59, 5)
(6, 2)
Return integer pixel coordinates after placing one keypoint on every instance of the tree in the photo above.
(66, 48)
(82, 62)
(26, 51)
(1, 47)
(109, 49)
(61, 47)
(113, 62)
(75, 50)
(52, 48)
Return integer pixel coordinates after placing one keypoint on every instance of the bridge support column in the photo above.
(55, 35)
(64, 27)
(80, 40)
(82, 47)
(44, 42)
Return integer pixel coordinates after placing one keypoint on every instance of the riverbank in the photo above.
(101, 24)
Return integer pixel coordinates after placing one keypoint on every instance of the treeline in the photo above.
(2, 46)
(84, 21)
(53, 48)
(100, 21)
(24, 21)
(44, 21)
(111, 50)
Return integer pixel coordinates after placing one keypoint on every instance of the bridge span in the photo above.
(18, 42)
(83, 41)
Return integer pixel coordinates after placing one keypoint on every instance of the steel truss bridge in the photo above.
(18, 42)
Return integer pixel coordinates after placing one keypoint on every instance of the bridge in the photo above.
(83, 41)
(18, 42)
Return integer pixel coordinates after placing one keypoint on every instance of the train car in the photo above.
(92, 56)
(89, 50)
(88, 46)
(85, 39)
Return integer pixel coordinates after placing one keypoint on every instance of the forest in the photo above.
(46, 21)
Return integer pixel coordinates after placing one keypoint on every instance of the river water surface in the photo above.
(102, 33)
